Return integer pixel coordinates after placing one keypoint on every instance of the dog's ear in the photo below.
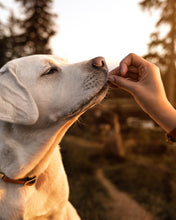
(16, 103)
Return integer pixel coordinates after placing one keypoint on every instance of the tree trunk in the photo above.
(118, 137)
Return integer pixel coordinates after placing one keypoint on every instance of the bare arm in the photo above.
(143, 80)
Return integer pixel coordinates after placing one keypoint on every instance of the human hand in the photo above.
(143, 80)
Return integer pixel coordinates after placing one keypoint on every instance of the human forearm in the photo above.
(163, 113)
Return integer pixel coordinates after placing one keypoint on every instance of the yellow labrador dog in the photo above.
(40, 98)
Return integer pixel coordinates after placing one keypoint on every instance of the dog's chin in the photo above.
(92, 101)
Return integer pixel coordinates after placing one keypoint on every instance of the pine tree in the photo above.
(162, 49)
(12, 37)
(37, 27)
(31, 35)
(8, 39)
(2, 46)
(2, 41)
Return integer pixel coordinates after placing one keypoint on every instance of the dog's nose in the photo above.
(98, 62)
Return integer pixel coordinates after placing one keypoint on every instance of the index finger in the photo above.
(130, 60)
(115, 71)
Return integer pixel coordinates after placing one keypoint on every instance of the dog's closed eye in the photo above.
(51, 71)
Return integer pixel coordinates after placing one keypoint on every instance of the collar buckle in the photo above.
(1, 174)
(30, 181)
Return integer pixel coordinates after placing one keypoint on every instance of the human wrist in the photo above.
(164, 114)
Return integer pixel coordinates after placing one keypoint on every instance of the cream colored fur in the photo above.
(40, 98)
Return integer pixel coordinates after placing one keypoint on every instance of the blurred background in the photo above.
(119, 165)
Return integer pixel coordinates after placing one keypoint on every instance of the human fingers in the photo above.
(130, 60)
(115, 71)
(132, 74)
(133, 69)
(118, 81)
(112, 84)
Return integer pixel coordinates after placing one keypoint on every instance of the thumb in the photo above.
(123, 83)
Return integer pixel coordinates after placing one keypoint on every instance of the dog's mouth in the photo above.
(95, 87)
(92, 101)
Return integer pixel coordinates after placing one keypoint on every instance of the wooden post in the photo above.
(118, 137)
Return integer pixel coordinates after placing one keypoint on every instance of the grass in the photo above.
(86, 193)
(149, 180)
(141, 183)
(147, 173)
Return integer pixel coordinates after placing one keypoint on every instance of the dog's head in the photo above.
(43, 87)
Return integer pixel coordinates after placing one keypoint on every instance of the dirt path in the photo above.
(122, 206)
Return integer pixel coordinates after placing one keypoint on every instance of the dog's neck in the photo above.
(32, 154)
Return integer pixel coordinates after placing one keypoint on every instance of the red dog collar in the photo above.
(27, 181)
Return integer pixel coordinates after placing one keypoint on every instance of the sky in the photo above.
(109, 28)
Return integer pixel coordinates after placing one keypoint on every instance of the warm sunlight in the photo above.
(107, 28)
(115, 161)
(100, 28)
